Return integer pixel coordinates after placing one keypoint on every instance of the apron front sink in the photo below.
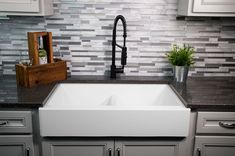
(142, 110)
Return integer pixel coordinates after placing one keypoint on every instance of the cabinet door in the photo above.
(214, 146)
(19, 5)
(16, 146)
(214, 6)
(147, 148)
(78, 147)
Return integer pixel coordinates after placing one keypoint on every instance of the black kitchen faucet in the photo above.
(114, 69)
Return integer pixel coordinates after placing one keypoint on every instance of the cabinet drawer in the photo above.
(216, 122)
(15, 122)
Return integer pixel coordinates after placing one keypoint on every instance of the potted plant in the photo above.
(181, 57)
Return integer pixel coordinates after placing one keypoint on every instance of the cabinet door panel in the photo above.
(147, 148)
(215, 145)
(217, 150)
(81, 150)
(16, 145)
(12, 150)
(216, 6)
(19, 5)
(76, 148)
(150, 150)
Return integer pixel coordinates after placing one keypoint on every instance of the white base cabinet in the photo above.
(219, 8)
(26, 7)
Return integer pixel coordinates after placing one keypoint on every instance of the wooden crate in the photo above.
(29, 76)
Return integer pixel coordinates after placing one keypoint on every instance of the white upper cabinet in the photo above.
(26, 7)
(20, 5)
(216, 6)
(219, 8)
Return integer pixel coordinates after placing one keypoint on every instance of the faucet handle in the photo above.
(124, 56)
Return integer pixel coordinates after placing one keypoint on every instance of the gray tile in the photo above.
(82, 32)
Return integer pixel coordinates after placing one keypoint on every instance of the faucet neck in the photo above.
(123, 20)
(115, 70)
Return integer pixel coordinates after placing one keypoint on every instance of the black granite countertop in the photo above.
(205, 93)
(208, 93)
(13, 96)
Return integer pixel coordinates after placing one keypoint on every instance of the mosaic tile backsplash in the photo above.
(82, 33)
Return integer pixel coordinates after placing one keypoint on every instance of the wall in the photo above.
(82, 31)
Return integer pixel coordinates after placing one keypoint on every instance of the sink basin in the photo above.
(114, 110)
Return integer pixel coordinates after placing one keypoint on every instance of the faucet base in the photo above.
(113, 71)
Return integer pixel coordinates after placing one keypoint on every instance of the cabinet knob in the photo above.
(27, 151)
(3, 123)
(199, 152)
(110, 151)
(118, 152)
(227, 125)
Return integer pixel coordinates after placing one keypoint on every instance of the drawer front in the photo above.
(216, 122)
(15, 122)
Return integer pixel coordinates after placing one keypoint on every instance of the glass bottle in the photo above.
(42, 53)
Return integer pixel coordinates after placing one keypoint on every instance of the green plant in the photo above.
(181, 56)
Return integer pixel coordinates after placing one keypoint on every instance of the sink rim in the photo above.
(179, 106)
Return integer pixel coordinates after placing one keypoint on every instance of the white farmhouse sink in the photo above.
(114, 110)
